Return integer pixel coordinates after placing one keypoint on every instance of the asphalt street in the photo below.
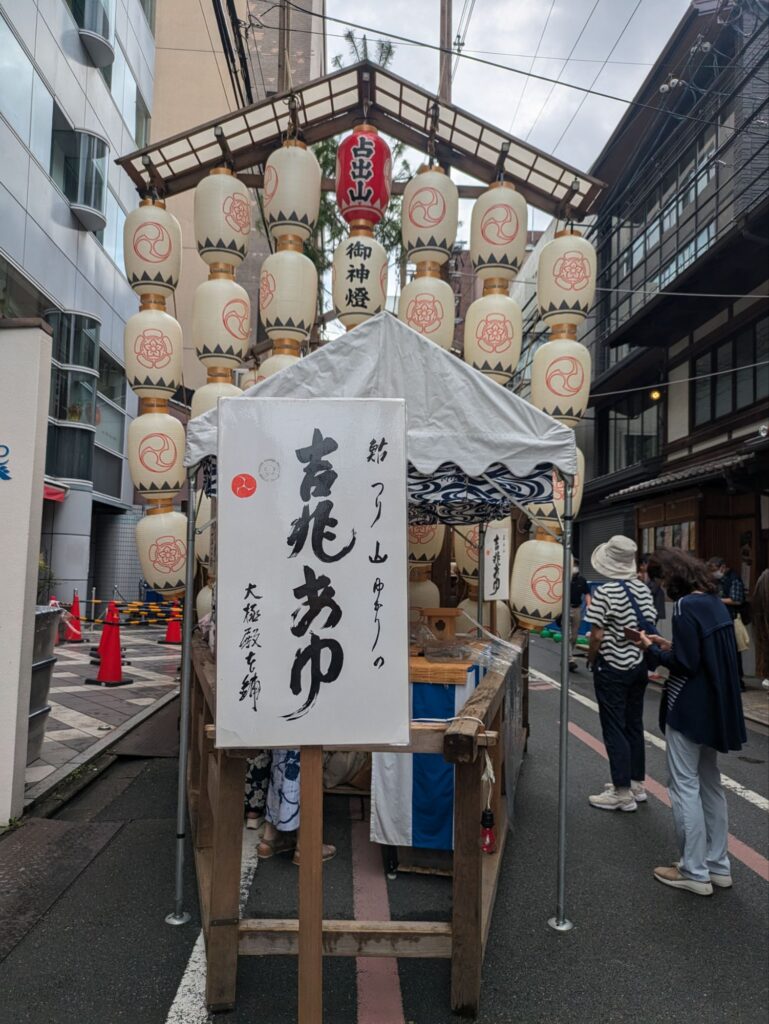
(639, 951)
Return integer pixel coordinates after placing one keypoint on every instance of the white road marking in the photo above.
(189, 1005)
(731, 784)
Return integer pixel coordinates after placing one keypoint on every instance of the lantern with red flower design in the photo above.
(153, 350)
(363, 175)
(291, 190)
(161, 538)
(426, 304)
(566, 279)
(222, 218)
(493, 335)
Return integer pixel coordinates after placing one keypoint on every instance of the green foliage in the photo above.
(46, 580)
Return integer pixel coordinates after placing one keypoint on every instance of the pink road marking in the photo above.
(741, 851)
(379, 987)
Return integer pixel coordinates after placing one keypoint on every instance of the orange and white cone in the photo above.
(110, 659)
(174, 627)
(73, 632)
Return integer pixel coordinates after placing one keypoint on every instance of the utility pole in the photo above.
(444, 67)
(284, 34)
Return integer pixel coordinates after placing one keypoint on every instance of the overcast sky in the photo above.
(530, 35)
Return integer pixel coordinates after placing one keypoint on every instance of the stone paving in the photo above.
(85, 719)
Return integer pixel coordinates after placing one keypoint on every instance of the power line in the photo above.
(462, 33)
(683, 380)
(502, 67)
(531, 66)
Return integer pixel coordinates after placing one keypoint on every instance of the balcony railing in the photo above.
(93, 20)
(79, 168)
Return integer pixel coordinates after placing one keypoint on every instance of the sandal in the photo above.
(284, 842)
(329, 852)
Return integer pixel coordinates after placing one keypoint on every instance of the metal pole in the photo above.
(481, 546)
(560, 922)
(284, 15)
(93, 611)
(444, 62)
(179, 915)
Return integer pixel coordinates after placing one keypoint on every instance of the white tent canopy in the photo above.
(454, 414)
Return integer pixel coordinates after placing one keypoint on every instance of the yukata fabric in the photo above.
(257, 782)
(282, 809)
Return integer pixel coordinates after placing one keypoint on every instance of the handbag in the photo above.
(741, 634)
(644, 624)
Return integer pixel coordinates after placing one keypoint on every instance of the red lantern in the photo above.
(363, 175)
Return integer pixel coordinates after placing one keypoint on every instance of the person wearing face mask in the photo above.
(579, 590)
(731, 590)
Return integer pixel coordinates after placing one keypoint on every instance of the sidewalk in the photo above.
(87, 719)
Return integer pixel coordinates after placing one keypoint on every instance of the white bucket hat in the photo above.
(616, 559)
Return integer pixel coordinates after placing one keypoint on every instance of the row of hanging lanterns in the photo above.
(560, 386)
(152, 250)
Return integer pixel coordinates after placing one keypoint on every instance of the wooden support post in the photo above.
(311, 887)
(224, 910)
(467, 914)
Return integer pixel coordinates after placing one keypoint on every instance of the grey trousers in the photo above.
(698, 802)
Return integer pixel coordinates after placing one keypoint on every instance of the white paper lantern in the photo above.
(203, 540)
(288, 295)
(249, 378)
(204, 602)
(493, 335)
(156, 455)
(161, 541)
(560, 380)
(222, 218)
(466, 540)
(425, 543)
(291, 190)
(152, 249)
(469, 607)
(566, 278)
(359, 279)
(221, 321)
(550, 513)
(274, 364)
(498, 232)
(206, 398)
(152, 346)
(429, 216)
(427, 305)
(422, 594)
(536, 584)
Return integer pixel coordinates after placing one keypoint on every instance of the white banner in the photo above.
(496, 564)
(312, 642)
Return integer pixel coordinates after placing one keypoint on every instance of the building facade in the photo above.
(76, 91)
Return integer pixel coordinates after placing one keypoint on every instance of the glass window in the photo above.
(107, 473)
(723, 383)
(702, 391)
(638, 251)
(129, 100)
(42, 121)
(762, 356)
(653, 234)
(633, 431)
(111, 237)
(79, 165)
(745, 381)
(75, 339)
(110, 424)
(92, 15)
(69, 453)
(112, 382)
(16, 76)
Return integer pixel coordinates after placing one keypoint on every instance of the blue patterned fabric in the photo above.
(452, 497)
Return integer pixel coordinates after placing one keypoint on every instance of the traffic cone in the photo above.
(73, 632)
(110, 661)
(174, 628)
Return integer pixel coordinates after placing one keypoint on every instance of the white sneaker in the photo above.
(639, 792)
(673, 877)
(612, 800)
(721, 881)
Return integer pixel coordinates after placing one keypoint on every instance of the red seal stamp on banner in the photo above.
(243, 485)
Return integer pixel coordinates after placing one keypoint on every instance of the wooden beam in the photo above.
(490, 870)
(310, 941)
(397, 189)
(280, 937)
(467, 950)
(460, 744)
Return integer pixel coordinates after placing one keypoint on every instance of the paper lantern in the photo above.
(422, 594)
(249, 378)
(560, 380)
(221, 321)
(274, 364)
(359, 279)
(550, 513)
(206, 398)
(498, 228)
(566, 279)
(363, 175)
(469, 607)
(152, 249)
(466, 540)
(203, 540)
(427, 305)
(161, 540)
(204, 602)
(156, 455)
(152, 348)
(429, 216)
(288, 294)
(425, 543)
(291, 190)
(493, 335)
(536, 584)
(222, 218)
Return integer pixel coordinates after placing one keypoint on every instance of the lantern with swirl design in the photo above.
(498, 232)
(566, 280)
(363, 175)
(288, 289)
(429, 215)
(291, 190)
(155, 455)
(152, 249)
(222, 218)
(560, 380)
(550, 513)
(221, 321)
(536, 583)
